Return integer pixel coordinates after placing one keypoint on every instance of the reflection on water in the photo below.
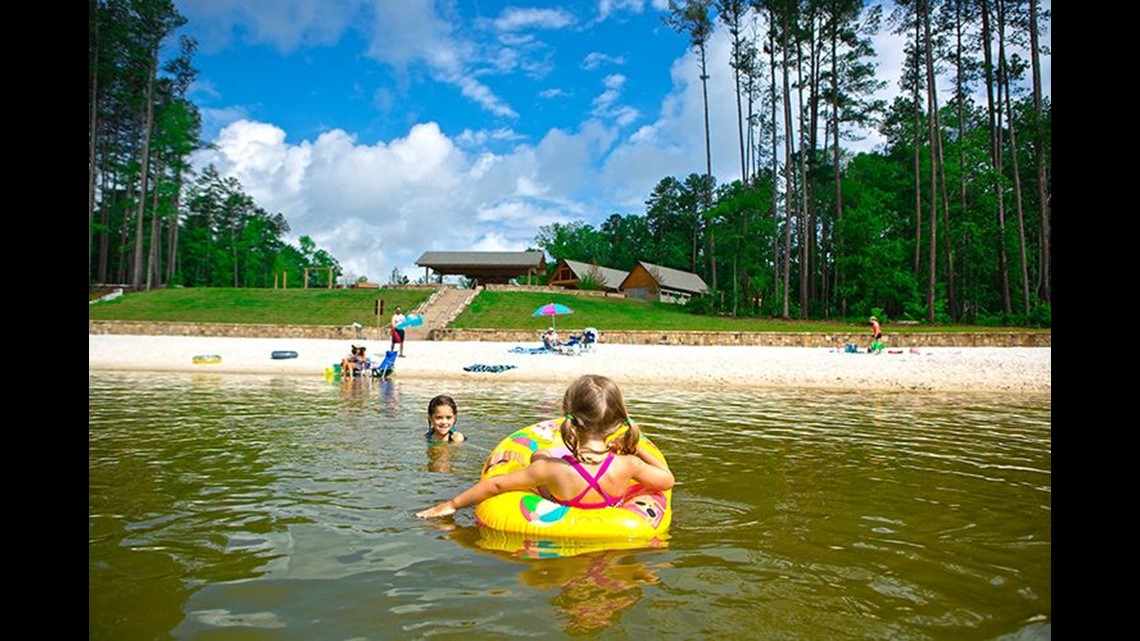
(284, 507)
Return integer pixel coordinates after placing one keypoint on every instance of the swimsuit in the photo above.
(447, 438)
(609, 501)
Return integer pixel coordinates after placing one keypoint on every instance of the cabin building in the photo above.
(569, 274)
(647, 281)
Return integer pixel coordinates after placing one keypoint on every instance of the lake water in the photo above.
(245, 507)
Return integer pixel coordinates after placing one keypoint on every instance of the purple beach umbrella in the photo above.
(552, 310)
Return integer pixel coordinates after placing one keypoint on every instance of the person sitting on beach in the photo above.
(442, 413)
(354, 362)
(550, 339)
(604, 455)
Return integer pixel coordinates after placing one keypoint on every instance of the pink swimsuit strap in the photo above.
(592, 482)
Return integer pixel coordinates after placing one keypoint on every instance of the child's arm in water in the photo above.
(529, 477)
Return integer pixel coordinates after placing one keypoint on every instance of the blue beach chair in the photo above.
(384, 369)
(583, 342)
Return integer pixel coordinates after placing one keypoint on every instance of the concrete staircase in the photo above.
(440, 309)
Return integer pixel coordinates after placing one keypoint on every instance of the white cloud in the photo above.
(596, 59)
(514, 19)
(613, 85)
(411, 32)
(283, 24)
(608, 7)
(380, 206)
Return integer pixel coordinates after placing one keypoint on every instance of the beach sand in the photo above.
(957, 369)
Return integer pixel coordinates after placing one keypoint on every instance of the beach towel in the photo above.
(494, 369)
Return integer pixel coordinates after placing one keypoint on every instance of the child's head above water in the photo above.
(595, 408)
(442, 413)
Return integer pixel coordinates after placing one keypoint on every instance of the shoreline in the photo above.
(934, 369)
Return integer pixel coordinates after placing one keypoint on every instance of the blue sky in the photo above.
(386, 128)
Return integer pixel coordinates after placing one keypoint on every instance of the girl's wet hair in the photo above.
(442, 399)
(594, 406)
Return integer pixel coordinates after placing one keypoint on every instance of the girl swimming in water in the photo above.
(603, 456)
(442, 414)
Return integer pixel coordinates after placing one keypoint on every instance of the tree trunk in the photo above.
(172, 241)
(917, 151)
(931, 106)
(1004, 78)
(802, 224)
(93, 97)
(789, 207)
(708, 165)
(152, 267)
(776, 295)
(136, 279)
(836, 176)
(738, 56)
(104, 219)
(993, 112)
(1038, 150)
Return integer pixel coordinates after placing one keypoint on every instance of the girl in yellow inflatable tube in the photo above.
(604, 456)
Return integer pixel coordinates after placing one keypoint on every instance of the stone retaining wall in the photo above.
(775, 339)
(768, 339)
(239, 330)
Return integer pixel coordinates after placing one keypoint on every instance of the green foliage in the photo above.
(589, 282)
(227, 240)
(699, 305)
(1041, 316)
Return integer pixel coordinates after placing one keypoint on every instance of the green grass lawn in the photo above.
(312, 306)
(489, 310)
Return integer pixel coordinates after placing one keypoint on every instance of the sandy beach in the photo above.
(986, 369)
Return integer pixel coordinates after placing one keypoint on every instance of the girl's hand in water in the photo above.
(443, 509)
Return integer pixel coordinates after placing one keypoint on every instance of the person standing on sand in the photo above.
(397, 331)
(876, 333)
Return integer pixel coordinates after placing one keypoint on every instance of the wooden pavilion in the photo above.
(485, 268)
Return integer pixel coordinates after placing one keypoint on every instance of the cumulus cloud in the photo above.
(282, 24)
(379, 206)
(608, 7)
(514, 19)
(595, 59)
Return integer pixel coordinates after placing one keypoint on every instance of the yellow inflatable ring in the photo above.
(207, 359)
(643, 514)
